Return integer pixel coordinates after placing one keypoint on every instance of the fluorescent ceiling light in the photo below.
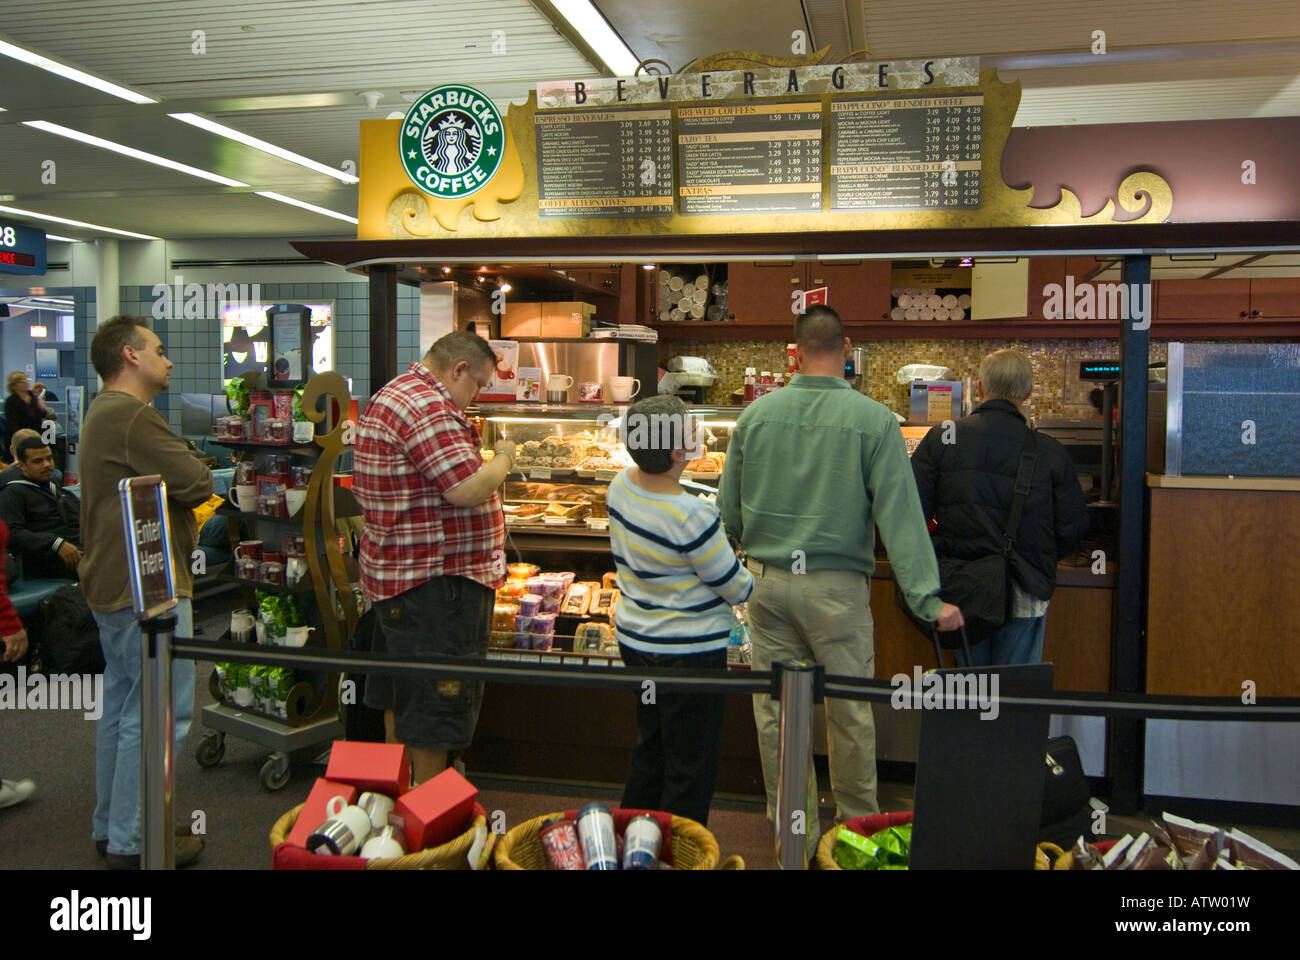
(131, 152)
(597, 32)
(51, 236)
(194, 120)
(79, 76)
(306, 206)
(75, 223)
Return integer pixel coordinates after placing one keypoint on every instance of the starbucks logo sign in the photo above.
(452, 141)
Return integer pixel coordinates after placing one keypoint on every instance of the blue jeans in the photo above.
(1019, 641)
(117, 742)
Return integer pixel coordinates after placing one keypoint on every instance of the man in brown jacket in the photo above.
(123, 436)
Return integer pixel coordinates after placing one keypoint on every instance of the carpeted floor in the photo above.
(57, 749)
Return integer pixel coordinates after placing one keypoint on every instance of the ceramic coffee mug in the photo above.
(622, 389)
(303, 431)
(244, 497)
(378, 807)
(558, 381)
(387, 843)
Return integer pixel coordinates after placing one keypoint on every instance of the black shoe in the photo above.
(187, 851)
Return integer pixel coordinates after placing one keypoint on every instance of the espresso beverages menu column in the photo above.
(604, 163)
(750, 158)
(907, 153)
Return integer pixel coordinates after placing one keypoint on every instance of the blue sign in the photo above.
(22, 249)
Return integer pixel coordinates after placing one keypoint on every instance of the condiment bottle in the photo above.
(749, 384)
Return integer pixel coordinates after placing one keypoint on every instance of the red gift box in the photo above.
(313, 811)
(382, 767)
(436, 811)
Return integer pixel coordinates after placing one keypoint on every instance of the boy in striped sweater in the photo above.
(678, 579)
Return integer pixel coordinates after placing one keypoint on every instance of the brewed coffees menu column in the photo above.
(606, 163)
(907, 153)
(752, 158)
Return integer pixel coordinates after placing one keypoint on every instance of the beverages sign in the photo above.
(148, 545)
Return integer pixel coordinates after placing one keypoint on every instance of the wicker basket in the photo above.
(693, 846)
(863, 825)
(452, 855)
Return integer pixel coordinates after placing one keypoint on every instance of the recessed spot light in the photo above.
(446, 269)
(647, 266)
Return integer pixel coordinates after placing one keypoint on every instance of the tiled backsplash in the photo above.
(1057, 391)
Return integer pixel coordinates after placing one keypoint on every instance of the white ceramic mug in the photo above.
(241, 626)
(294, 499)
(295, 568)
(244, 497)
(303, 431)
(622, 389)
(385, 844)
(296, 636)
(558, 381)
(378, 806)
(358, 820)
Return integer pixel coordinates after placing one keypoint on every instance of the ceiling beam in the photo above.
(1220, 271)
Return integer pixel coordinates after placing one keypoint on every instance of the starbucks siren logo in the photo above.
(452, 141)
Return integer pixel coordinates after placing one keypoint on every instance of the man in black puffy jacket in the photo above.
(966, 485)
(44, 519)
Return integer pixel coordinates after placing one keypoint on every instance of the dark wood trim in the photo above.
(1156, 238)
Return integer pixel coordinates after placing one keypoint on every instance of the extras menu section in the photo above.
(750, 158)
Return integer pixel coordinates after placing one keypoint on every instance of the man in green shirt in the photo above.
(811, 470)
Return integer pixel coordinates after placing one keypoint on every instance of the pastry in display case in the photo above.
(566, 454)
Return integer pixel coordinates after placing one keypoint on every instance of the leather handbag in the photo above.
(1067, 813)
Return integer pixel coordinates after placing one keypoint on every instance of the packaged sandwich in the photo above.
(1189, 836)
(1251, 854)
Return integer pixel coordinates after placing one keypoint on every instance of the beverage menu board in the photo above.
(907, 153)
(750, 158)
(606, 163)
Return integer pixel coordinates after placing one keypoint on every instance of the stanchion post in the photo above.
(157, 774)
(796, 683)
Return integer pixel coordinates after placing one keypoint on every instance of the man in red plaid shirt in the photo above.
(432, 552)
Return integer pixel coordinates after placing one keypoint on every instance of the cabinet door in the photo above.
(1275, 297)
(761, 292)
(859, 291)
(1042, 272)
(605, 279)
(1203, 299)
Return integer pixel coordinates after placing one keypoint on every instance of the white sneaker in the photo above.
(14, 792)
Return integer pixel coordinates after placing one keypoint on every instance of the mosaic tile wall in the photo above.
(1057, 391)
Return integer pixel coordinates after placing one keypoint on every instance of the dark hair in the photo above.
(460, 345)
(819, 331)
(28, 443)
(113, 334)
(652, 429)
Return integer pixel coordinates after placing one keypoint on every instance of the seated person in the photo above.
(14, 471)
(44, 520)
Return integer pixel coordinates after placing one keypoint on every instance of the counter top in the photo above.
(1291, 484)
(1065, 576)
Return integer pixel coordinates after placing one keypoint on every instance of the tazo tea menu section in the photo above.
(907, 153)
(752, 158)
(609, 163)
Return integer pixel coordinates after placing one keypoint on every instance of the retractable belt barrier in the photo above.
(797, 686)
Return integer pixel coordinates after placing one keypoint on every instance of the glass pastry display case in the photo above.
(566, 454)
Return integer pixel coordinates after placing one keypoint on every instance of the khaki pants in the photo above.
(822, 616)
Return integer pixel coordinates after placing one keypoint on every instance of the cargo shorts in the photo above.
(444, 617)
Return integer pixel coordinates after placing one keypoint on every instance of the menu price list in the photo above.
(607, 163)
(907, 153)
(750, 158)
